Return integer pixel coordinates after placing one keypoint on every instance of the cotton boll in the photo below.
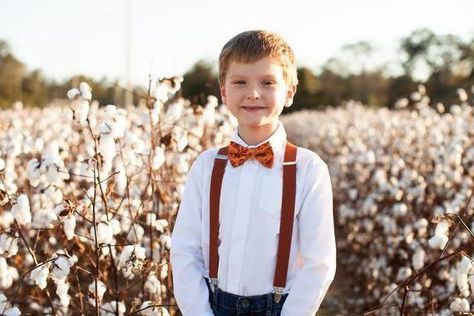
(151, 309)
(69, 224)
(120, 123)
(131, 260)
(121, 180)
(14, 311)
(101, 289)
(158, 158)
(421, 226)
(104, 232)
(40, 275)
(136, 233)
(81, 112)
(7, 274)
(72, 93)
(3, 301)
(471, 283)
(107, 147)
(152, 284)
(104, 128)
(181, 163)
(462, 94)
(418, 259)
(8, 245)
(62, 287)
(463, 284)
(174, 112)
(109, 112)
(61, 267)
(438, 241)
(465, 265)
(52, 173)
(403, 273)
(166, 241)
(21, 210)
(85, 90)
(110, 309)
(164, 271)
(116, 227)
(460, 305)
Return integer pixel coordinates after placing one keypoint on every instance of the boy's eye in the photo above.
(268, 83)
(239, 82)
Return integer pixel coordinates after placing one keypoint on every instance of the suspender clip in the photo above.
(277, 291)
(214, 283)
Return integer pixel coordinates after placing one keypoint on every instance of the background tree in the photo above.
(199, 82)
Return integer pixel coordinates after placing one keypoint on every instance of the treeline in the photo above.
(443, 63)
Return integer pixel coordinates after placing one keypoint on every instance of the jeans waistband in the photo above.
(243, 303)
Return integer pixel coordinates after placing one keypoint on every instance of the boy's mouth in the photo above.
(253, 108)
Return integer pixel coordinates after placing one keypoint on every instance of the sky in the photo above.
(164, 38)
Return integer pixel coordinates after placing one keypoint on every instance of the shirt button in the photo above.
(245, 303)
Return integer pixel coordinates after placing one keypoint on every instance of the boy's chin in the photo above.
(257, 123)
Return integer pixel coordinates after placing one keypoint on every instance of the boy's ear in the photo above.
(290, 94)
(223, 93)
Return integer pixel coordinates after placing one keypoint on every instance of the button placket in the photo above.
(240, 225)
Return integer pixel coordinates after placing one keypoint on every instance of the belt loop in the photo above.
(269, 305)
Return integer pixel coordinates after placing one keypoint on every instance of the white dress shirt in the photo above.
(249, 218)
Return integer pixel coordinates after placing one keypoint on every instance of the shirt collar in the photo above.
(277, 139)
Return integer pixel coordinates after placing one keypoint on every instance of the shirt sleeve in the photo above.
(318, 245)
(187, 262)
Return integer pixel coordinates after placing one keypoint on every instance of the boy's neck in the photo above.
(254, 135)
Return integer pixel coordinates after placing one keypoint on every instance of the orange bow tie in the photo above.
(238, 154)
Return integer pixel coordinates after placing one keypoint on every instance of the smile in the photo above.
(252, 108)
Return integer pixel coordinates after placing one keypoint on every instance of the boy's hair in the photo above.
(250, 46)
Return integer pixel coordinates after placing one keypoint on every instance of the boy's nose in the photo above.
(253, 94)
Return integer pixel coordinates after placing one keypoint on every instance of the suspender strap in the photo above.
(286, 218)
(215, 196)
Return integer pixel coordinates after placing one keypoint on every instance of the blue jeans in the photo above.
(228, 304)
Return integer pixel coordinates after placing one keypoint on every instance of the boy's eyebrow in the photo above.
(243, 76)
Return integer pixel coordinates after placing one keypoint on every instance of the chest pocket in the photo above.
(270, 198)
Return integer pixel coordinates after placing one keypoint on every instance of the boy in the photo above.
(234, 266)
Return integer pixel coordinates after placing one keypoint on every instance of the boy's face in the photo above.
(255, 93)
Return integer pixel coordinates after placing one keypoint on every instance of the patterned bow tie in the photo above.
(238, 154)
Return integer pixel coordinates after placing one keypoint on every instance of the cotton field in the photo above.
(89, 193)
(402, 180)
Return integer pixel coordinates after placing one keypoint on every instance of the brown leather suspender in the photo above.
(286, 218)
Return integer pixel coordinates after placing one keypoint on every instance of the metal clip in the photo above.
(277, 291)
(214, 283)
